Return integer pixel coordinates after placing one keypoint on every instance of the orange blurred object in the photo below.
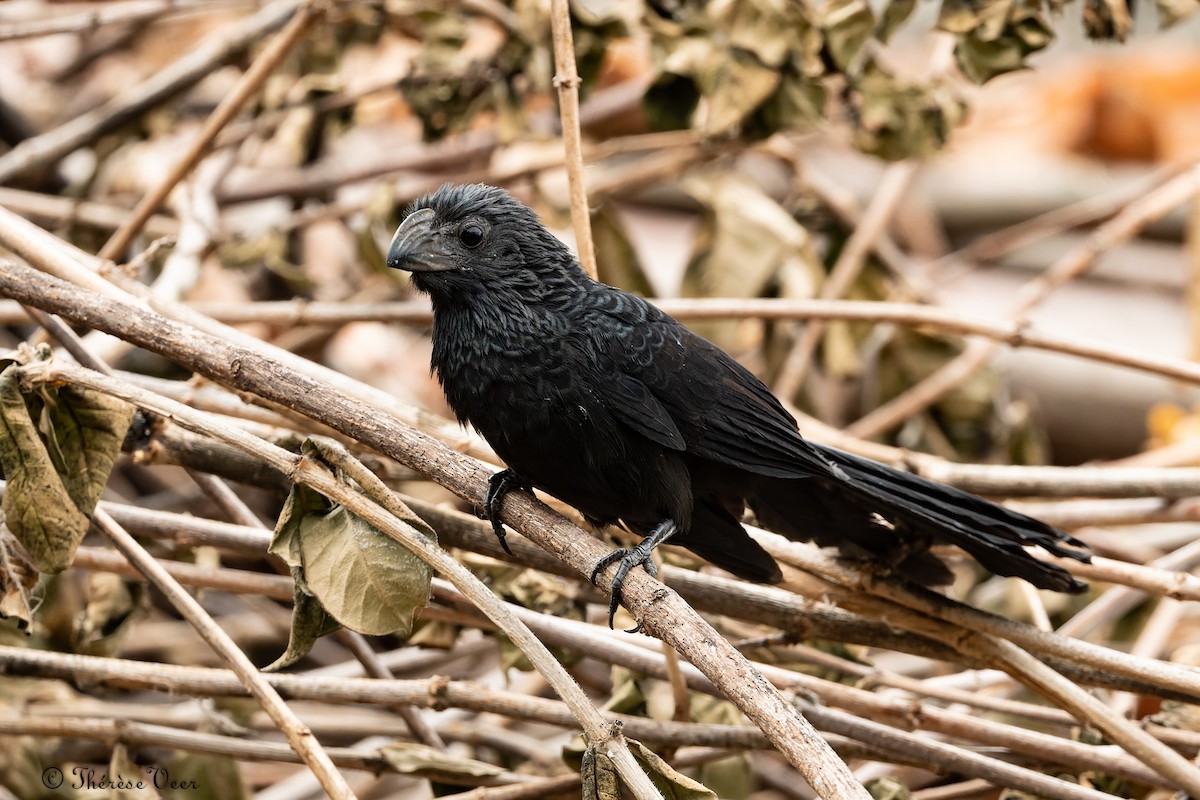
(1132, 105)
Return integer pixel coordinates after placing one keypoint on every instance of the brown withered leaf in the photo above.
(616, 260)
(964, 16)
(746, 241)
(772, 31)
(895, 14)
(112, 603)
(18, 577)
(1107, 19)
(196, 776)
(409, 757)
(671, 782)
(1171, 12)
(848, 25)
(897, 119)
(38, 508)
(131, 782)
(310, 621)
(887, 789)
(86, 429)
(736, 84)
(798, 102)
(983, 54)
(362, 578)
(599, 776)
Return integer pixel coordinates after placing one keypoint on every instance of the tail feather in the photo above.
(717, 536)
(819, 510)
(921, 509)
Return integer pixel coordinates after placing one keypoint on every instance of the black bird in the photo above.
(597, 397)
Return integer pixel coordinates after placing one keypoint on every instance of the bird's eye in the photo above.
(471, 235)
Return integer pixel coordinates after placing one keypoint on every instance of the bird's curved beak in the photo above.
(417, 246)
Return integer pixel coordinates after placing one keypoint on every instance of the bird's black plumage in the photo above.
(596, 396)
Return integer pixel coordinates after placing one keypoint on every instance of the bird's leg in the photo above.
(500, 484)
(630, 558)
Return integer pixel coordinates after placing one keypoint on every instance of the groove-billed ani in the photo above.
(614, 407)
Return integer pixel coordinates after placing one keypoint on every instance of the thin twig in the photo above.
(129, 732)
(1122, 227)
(566, 80)
(895, 181)
(47, 147)
(135, 11)
(1012, 334)
(657, 608)
(760, 604)
(304, 471)
(66, 210)
(298, 735)
(280, 45)
(612, 648)
(436, 692)
(1003, 640)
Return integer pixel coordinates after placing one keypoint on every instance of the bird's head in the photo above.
(463, 241)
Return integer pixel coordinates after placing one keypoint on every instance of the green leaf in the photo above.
(38, 509)
(310, 621)
(355, 574)
(86, 429)
(366, 581)
(673, 784)
(408, 758)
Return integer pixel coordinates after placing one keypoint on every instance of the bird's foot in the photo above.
(628, 558)
(500, 484)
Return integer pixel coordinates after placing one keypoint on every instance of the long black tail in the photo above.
(845, 511)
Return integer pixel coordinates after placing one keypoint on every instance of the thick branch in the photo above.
(658, 609)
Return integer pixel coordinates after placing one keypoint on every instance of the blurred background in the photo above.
(732, 148)
(1028, 164)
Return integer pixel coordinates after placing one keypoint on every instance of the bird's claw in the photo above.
(500, 484)
(628, 558)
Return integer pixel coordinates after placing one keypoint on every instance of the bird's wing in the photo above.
(718, 409)
(628, 399)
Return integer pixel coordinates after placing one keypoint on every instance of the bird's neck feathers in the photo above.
(514, 315)
(540, 279)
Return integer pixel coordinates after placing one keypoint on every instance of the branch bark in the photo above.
(659, 610)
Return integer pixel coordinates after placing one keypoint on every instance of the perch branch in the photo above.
(657, 608)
